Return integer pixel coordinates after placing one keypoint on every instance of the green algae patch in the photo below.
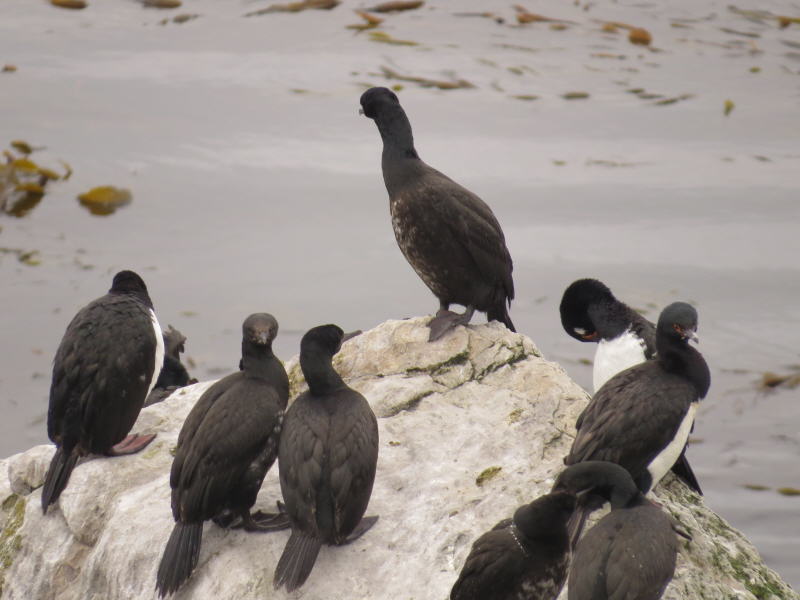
(438, 368)
(487, 475)
(10, 539)
(409, 405)
(515, 415)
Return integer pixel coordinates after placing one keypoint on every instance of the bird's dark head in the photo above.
(678, 322)
(575, 303)
(609, 480)
(325, 339)
(376, 100)
(546, 515)
(128, 282)
(259, 329)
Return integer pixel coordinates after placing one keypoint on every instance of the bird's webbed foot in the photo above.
(261, 522)
(363, 527)
(258, 521)
(131, 445)
(446, 320)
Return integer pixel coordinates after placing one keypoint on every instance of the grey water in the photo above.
(256, 187)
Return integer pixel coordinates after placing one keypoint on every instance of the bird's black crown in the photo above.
(377, 98)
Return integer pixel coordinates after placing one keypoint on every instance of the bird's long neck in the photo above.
(320, 375)
(678, 357)
(256, 359)
(399, 153)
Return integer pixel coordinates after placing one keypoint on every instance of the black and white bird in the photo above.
(327, 460)
(624, 338)
(591, 313)
(523, 558)
(225, 448)
(630, 553)
(448, 234)
(641, 418)
(106, 364)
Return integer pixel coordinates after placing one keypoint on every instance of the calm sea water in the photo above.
(256, 187)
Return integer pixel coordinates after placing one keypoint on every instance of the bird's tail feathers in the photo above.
(180, 557)
(499, 312)
(297, 560)
(57, 476)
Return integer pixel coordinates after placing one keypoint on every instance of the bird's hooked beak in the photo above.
(687, 334)
(360, 111)
(351, 335)
(261, 337)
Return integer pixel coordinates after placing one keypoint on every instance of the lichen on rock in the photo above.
(449, 411)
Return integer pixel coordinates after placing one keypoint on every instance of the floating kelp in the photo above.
(396, 6)
(105, 200)
(161, 3)
(23, 147)
(527, 97)
(9, 68)
(73, 4)
(26, 257)
(770, 380)
(728, 107)
(524, 16)
(486, 15)
(784, 22)
(385, 38)
(788, 491)
(296, 7)
(756, 487)
(673, 100)
(575, 95)
(425, 82)
(640, 36)
(371, 21)
(748, 34)
(22, 181)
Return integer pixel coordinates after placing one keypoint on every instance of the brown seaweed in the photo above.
(293, 7)
(426, 82)
(396, 6)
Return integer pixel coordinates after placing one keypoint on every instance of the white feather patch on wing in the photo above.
(159, 352)
(663, 462)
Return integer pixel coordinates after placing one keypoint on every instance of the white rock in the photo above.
(479, 405)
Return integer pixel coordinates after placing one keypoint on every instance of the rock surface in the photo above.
(471, 427)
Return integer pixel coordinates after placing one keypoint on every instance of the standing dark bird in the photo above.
(641, 418)
(591, 313)
(225, 448)
(630, 553)
(173, 374)
(106, 364)
(449, 236)
(524, 558)
(327, 459)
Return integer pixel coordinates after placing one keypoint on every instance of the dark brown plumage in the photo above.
(225, 448)
(447, 233)
(106, 364)
(327, 458)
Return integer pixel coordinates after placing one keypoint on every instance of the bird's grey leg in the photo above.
(363, 527)
(131, 444)
(445, 320)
